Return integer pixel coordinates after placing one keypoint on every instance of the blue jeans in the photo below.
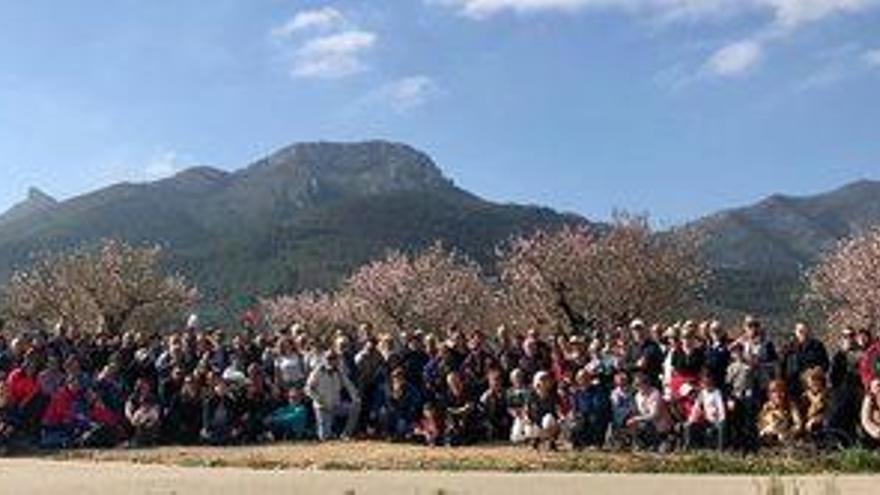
(325, 420)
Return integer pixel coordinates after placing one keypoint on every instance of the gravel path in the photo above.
(26, 476)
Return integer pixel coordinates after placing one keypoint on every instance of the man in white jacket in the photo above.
(325, 386)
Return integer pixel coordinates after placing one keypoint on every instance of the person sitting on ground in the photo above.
(542, 426)
(429, 428)
(67, 417)
(495, 411)
(182, 418)
(24, 393)
(779, 421)
(258, 399)
(517, 399)
(144, 414)
(591, 410)
(400, 408)
(707, 422)
(221, 424)
(106, 428)
(109, 387)
(325, 388)
(870, 414)
(291, 421)
(461, 412)
(651, 422)
(7, 420)
(814, 400)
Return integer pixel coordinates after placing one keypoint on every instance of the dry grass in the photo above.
(382, 456)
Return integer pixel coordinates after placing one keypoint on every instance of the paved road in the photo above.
(21, 476)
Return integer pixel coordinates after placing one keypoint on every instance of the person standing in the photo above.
(804, 353)
(325, 388)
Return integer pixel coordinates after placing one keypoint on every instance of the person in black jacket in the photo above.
(717, 354)
(647, 355)
(497, 420)
(591, 404)
(183, 414)
(221, 424)
(846, 392)
(461, 413)
(7, 419)
(804, 352)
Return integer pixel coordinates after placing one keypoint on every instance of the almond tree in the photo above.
(436, 290)
(581, 276)
(845, 285)
(320, 312)
(113, 288)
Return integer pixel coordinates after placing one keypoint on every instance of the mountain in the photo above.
(37, 202)
(302, 217)
(759, 252)
(305, 216)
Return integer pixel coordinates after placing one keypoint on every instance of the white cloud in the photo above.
(162, 165)
(333, 56)
(837, 64)
(323, 44)
(785, 13)
(792, 13)
(322, 19)
(735, 59)
(408, 93)
(872, 58)
(821, 79)
(781, 18)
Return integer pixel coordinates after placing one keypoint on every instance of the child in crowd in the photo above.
(707, 421)
(779, 421)
(622, 401)
(815, 400)
(429, 429)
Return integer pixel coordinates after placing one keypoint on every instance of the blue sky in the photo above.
(677, 107)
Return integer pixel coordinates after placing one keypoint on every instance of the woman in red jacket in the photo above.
(66, 417)
(25, 398)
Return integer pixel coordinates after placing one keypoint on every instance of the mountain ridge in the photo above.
(304, 216)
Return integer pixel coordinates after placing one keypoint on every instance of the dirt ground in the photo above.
(40, 476)
(503, 458)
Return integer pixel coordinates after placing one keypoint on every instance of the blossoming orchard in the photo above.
(582, 336)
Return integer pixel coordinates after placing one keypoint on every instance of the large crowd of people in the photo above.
(693, 385)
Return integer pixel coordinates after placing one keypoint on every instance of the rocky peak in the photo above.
(367, 167)
(36, 202)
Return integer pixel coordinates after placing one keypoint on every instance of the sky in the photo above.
(677, 108)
